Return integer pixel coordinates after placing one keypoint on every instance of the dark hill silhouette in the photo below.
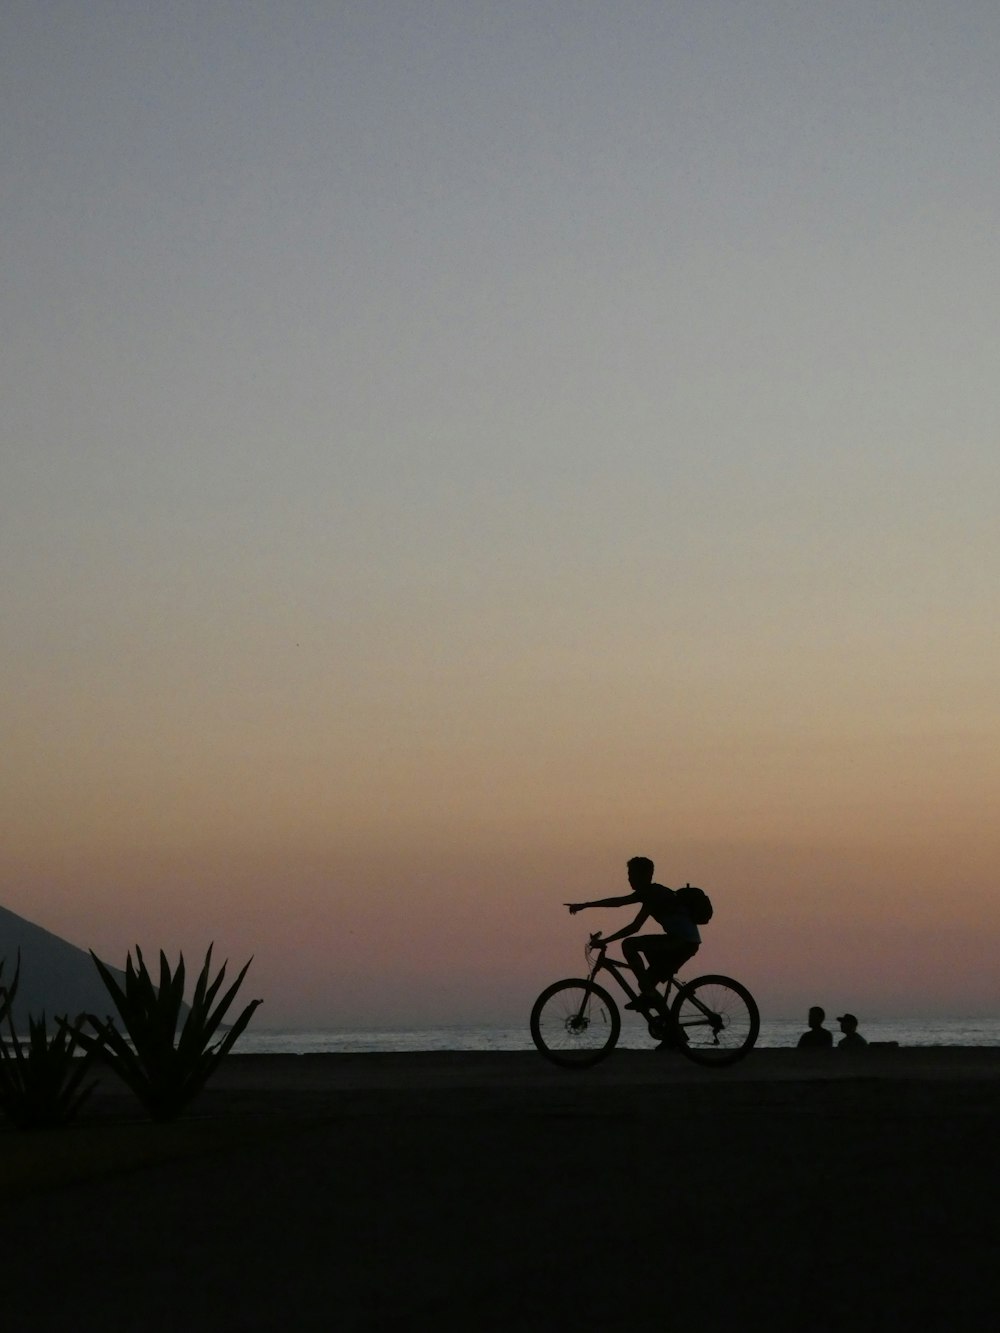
(56, 977)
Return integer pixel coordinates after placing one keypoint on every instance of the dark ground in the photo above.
(493, 1192)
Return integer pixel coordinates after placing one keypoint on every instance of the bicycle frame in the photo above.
(618, 967)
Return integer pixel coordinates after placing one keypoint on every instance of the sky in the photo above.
(449, 448)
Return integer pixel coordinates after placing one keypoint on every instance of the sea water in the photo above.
(774, 1033)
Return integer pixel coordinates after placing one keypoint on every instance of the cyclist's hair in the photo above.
(642, 863)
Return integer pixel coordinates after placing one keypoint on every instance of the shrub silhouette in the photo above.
(41, 1080)
(166, 1062)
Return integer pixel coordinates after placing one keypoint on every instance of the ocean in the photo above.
(775, 1032)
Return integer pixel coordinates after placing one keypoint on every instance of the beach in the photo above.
(494, 1191)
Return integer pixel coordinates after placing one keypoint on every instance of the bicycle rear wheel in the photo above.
(716, 1019)
(575, 1023)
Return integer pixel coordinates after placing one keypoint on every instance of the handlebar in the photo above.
(594, 945)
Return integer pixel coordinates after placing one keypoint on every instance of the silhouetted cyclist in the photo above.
(652, 958)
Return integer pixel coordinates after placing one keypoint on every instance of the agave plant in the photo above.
(164, 1055)
(42, 1079)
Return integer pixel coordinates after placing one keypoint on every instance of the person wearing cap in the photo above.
(818, 1038)
(852, 1039)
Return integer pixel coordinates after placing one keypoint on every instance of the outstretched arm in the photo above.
(630, 929)
(603, 902)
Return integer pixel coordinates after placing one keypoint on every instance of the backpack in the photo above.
(696, 903)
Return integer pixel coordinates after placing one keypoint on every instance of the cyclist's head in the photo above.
(640, 871)
(817, 1016)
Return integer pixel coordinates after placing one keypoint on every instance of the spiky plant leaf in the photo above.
(7, 993)
(202, 990)
(215, 1018)
(169, 999)
(119, 997)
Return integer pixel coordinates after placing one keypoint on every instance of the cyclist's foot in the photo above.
(672, 1037)
(643, 1002)
(675, 1042)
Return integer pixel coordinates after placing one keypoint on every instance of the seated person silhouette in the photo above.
(818, 1038)
(852, 1039)
(652, 958)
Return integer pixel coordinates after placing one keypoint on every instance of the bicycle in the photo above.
(712, 1020)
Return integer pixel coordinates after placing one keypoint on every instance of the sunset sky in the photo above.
(449, 448)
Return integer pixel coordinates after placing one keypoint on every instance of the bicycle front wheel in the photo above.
(575, 1023)
(716, 1019)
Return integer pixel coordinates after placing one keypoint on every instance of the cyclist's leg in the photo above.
(665, 955)
(670, 958)
(675, 955)
(635, 949)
